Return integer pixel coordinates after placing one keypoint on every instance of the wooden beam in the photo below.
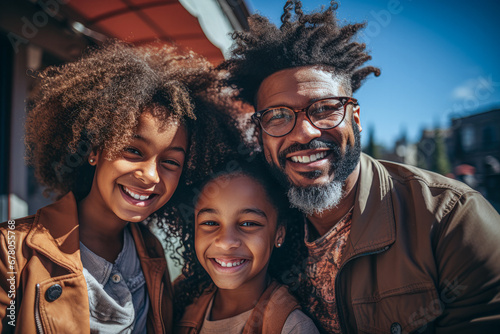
(43, 25)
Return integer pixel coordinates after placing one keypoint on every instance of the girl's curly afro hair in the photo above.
(314, 39)
(95, 104)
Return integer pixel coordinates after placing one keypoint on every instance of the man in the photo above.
(391, 248)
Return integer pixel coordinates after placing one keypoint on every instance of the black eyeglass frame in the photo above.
(345, 100)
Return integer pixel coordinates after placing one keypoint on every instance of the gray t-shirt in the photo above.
(118, 296)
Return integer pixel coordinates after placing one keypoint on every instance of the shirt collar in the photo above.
(101, 269)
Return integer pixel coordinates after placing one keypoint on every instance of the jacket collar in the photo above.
(373, 224)
(194, 314)
(55, 233)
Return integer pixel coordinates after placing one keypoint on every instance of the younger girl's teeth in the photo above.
(308, 158)
(229, 264)
(136, 196)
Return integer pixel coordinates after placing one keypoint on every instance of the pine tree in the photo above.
(372, 148)
(440, 161)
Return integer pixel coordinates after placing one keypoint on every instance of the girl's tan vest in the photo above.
(268, 316)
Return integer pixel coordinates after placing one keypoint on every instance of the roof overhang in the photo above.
(65, 27)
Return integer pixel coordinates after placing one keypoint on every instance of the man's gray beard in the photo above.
(319, 198)
(316, 199)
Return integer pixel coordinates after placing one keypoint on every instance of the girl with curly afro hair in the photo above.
(237, 255)
(113, 136)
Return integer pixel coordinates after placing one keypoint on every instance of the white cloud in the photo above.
(462, 92)
(473, 89)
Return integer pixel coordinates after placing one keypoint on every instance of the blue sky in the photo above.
(439, 59)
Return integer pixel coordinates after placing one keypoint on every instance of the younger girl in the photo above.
(239, 218)
(109, 135)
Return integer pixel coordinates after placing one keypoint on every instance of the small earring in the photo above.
(278, 245)
(91, 160)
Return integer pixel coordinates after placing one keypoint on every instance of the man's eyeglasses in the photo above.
(324, 114)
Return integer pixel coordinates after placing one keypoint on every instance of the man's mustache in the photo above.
(313, 144)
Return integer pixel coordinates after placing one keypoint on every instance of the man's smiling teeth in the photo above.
(308, 158)
(136, 196)
(229, 264)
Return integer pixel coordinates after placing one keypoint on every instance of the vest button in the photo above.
(395, 328)
(53, 292)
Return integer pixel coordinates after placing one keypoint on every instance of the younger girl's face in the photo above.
(235, 231)
(145, 176)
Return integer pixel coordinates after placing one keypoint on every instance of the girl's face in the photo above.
(145, 176)
(235, 231)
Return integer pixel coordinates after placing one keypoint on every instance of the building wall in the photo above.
(476, 141)
(476, 137)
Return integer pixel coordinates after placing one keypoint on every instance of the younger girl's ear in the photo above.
(280, 236)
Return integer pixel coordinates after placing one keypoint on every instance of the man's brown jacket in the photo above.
(423, 253)
(46, 281)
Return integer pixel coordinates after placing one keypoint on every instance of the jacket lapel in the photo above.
(194, 314)
(154, 267)
(55, 233)
(373, 224)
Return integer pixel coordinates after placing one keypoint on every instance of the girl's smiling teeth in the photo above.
(309, 158)
(137, 196)
(229, 264)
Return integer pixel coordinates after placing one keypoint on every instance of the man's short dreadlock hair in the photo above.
(314, 39)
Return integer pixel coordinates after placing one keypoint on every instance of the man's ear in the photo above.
(355, 116)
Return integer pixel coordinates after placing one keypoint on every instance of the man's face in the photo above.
(333, 152)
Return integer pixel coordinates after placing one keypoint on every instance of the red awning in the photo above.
(146, 21)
